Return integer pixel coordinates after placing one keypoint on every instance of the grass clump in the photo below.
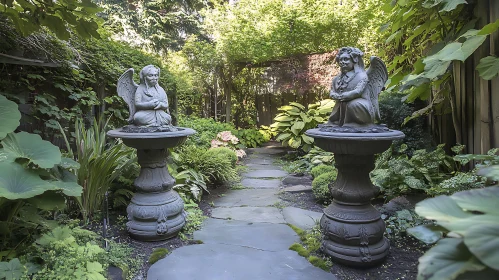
(300, 250)
(158, 254)
(320, 263)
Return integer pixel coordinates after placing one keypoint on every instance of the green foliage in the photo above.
(10, 116)
(194, 220)
(35, 183)
(397, 225)
(266, 132)
(11, 270)
(61, 256)
(428, 36)
(250, 138)
(207, 130)
(310, 247)
(300, 250)
(398, 175)
(320, 186)
(157, 255)
(223, 152)
(216, 167)
(100, 164)
(256, 31)
(29, 16)
(461, 181)
(321, 169)
(190, 184)
(291, 124)
(393, 112)
(469, 219)
(317, 156)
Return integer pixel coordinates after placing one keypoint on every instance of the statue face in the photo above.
(152, 77)
(345, 62)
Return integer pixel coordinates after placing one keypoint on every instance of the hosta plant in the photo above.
(34, 180)
(469, 220)
(250, 138)
(294, 119)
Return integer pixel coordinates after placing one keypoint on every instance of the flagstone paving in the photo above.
(247, 236)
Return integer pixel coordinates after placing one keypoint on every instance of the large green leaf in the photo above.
(491, 172)
(447, 260)
(429, 234)
(297, 127)
(69, 188)
(48, 201)
(19, 183)
(441, 208)
(284, 118)
(9, 116)
(32, 147)
(482, 200)
(11, 270)
(488, 67)
(483, 242)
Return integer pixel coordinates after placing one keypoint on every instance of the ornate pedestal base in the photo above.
(156, 212)
(353, 228)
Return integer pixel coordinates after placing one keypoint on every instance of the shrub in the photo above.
(251, 138)
(290, 125)
(320, 186)
(207, 130)
(321, 169)
(226, 139)
(216, 167)
(224, 152)
(393, 111)
(460, 182)
(398, 175)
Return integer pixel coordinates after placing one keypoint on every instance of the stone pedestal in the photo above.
(156, 212)
(353, 228)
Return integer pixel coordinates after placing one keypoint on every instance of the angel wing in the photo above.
(126, 88)
(378, 75)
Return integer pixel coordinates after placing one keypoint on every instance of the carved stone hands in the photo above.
(346, 96)
(161, 106)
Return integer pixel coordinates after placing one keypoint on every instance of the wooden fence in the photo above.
(477, 100)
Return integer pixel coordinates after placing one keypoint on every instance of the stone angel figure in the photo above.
(355, 90)
(147, 101)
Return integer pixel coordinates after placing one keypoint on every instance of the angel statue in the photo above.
(147, 102)
(355, 90)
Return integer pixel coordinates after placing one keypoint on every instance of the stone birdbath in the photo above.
(156, 211)
(353, 228)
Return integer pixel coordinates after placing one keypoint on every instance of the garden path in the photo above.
(247, 237)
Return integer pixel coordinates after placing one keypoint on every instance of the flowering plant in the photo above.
(226, 139)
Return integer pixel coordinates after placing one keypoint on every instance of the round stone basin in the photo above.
(152, 140)
(354, 143)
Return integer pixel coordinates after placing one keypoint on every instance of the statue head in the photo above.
(149, 75)
(350, 58)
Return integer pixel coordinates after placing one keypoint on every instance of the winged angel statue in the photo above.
(356, 91)
(147, 101)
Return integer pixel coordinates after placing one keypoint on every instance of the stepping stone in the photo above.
(252, 197)
(301, 218)
(297, 180)
(259, 160)
(262, 236)
(270, 150)
(269, 173)
(261, 183)
(254, 166)
(250, 214)
(298, 188)
(227, 262)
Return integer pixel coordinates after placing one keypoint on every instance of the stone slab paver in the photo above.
(297, 180)
(259, 160)
(252, 235)
(268, 173)
(304, 219)
(261, 183)
(298, 188)
(267, 150)
(250, 214)
(254, 166)
(248, 197)
(227, 262)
